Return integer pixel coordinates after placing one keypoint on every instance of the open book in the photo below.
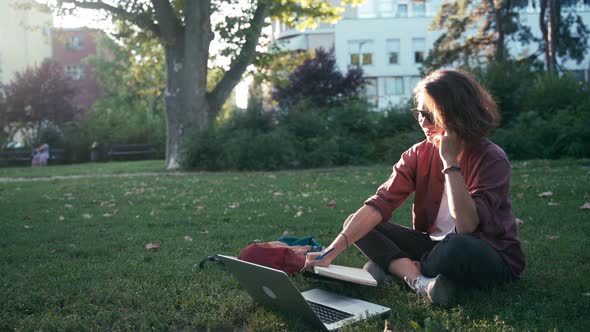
(346, 273)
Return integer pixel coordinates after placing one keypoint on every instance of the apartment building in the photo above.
(25, 36)
(70, 48)
(390, 39)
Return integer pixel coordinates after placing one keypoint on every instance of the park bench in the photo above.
(56, 156)
(21, 157)
(133, 150)
(15, 157)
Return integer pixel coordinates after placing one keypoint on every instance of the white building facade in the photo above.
(390, 39)
(25, 36)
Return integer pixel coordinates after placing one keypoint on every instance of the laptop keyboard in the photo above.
(328, 315)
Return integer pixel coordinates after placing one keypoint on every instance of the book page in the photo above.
(347, 273)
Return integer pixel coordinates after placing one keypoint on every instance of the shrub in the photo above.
(395, 121)
(510, 83)
(114, 125)
(551, 93)
(318, 79)
(301, 138)
(50, 134)
(390, 148)
(248, 150)
(560, 134)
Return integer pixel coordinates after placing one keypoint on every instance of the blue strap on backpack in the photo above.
(306, 241)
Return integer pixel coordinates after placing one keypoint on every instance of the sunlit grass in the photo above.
(72, 256)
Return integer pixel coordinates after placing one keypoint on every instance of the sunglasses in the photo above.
(424, 114)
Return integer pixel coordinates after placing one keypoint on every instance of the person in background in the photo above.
(464, 232)
(40, 155)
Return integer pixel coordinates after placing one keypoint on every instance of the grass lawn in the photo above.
(72, 251)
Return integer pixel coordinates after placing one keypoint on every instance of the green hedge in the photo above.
(304, 137)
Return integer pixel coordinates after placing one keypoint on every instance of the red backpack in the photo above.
(276, 255)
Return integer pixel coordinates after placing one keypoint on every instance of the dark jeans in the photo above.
(463, 259)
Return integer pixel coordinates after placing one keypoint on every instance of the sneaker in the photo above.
(377, 272)
(438, 290)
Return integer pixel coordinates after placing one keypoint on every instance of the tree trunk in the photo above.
(185, 103)
(498, 13)
(549, 19)
(185, 99)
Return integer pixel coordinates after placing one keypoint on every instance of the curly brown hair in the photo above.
(459, 103)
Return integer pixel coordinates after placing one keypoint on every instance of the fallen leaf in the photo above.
(235, 205)
(299, 214)
(200, 207)
(331, 204)
(545, 194)
(130, 203)
(152, 245)
(86, 216)
(203, 232)
(520, 195)
(277, 193)
(552, 237)
(586, 206)
(519, 221)
(68, 206)
(107, 215)
(552, 204)
(28, 226)
(61, 218)
(286, 232)
(188, 238)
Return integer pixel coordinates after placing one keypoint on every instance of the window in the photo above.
(361, 52)
(74, 72)
(414, 80)
(366, 9)
(394, 86)
(402, 10)
(75, 43)
(576, 74)
(393, 47)
(419, 46)
(419, 8)
(385, 8)
(371, 91)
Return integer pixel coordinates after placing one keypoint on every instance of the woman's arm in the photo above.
(461, 204)
(364, 220)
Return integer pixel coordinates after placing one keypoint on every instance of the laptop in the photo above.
(322, 309)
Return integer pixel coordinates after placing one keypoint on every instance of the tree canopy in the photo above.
(476, 32)
(35, 96)
(319, 81)
(185, 30)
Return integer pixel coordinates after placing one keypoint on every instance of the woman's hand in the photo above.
(311, 258)
(450, 147)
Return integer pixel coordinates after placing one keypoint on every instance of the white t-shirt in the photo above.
(444, 223)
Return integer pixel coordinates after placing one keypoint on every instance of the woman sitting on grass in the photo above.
(464, 232)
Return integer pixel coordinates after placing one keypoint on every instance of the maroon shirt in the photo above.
(486, 171)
